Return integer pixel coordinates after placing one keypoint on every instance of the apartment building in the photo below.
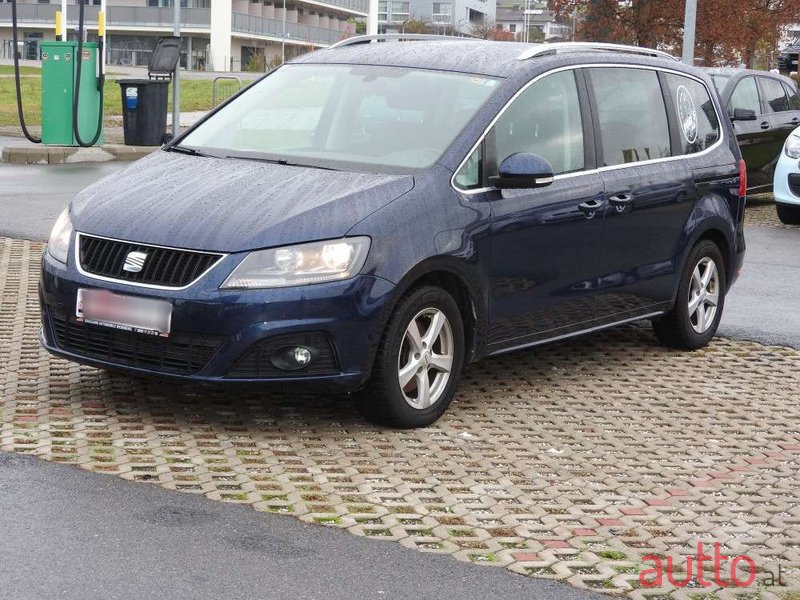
(222, 35)
(458, 15)
(541, 24)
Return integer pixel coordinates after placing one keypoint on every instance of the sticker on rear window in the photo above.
(687, 114)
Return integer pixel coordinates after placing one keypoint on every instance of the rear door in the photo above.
(794, 100)
(649, 193)
(754, 137)
(782, 119)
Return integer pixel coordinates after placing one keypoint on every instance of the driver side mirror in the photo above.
(743, 114)
(523, 171)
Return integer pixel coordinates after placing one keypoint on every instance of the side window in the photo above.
(469, 176)
(698, 124)
(633, 124)
(745, 96)
(545, 120)
(774, 95)
(794, 99)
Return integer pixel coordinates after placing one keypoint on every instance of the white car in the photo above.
(787, 181)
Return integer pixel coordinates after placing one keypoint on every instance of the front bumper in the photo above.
(222, 329)
(784, 191)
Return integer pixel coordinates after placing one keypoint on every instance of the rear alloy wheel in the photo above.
(789, 214)
(703, 295)
(418, 363)
(693, 322)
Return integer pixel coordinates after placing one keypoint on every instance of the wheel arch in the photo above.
(712, 219)
(462, 283)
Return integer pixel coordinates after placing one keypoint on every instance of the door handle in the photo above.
(620, 201)
(764, 125)
(796, 120)
(590, 208)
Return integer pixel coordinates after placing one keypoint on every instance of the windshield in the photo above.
(720, 81)
(328, 115)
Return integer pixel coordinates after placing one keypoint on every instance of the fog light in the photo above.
(292, 358)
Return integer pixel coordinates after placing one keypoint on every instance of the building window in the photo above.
(401, 11)
(383, 14)
(512, 28)
(442, 12)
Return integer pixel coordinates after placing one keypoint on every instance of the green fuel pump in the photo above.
(73, 80)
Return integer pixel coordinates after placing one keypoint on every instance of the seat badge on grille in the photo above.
(134, 262)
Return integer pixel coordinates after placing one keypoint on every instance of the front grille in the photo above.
(165, 267)
(180, 353)
(794, 183)
(256, 362)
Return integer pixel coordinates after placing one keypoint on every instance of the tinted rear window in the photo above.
(794, 99)
(774, 95)
(697, 122)
(631, 113)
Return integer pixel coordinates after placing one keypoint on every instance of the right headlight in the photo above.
(315, 262)
(792, 147)
(58, 245)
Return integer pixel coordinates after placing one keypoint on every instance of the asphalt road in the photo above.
(32, 196)
(71, 534)
(764, 304)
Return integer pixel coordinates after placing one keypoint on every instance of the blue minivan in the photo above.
(374, 217)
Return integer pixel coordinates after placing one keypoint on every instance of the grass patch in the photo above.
(9, 70)
(479, 558)
(328, 520)
(195, 96)
(377, 533)
(612, 555)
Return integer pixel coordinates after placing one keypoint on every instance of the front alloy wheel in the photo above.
(418, 362)
(426, 358)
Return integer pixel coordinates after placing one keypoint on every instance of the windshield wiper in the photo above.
(277, 161)
(186, 150)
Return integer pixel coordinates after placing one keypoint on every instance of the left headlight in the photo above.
(303, 264)
(58, 245)
(792, 147)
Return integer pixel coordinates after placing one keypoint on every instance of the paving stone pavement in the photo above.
(572, 461)
(761, 211)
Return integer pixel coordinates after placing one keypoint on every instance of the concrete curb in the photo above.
(20, 153)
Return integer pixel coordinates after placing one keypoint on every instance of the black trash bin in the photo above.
(144, 101)
(144, 111)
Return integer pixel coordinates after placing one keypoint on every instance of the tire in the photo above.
(681, 328)
(789, 214)
(401, 353)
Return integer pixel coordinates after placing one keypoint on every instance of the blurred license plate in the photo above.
(129, 313)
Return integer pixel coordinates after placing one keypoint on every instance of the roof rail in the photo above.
(554, 48)
(399, 37)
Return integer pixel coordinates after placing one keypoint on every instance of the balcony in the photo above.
(253, 25)
(360, 6)
(118, 16)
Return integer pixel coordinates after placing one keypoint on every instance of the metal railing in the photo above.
(138, 16)
(402, 37)
(230, 85)
(294, 31)
(361, 6)
(543, 49)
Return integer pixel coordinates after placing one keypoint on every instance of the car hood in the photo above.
(229, 205)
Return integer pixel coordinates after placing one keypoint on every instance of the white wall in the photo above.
(221, 11)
